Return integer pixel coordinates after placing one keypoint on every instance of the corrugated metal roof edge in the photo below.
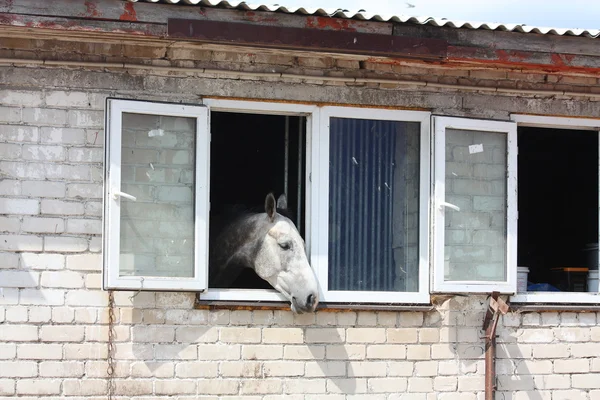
(361, 15)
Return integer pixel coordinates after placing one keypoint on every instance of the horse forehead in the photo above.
(282, 228)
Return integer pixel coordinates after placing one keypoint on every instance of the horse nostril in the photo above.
(310, 300)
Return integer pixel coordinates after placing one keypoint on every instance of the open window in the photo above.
(474, 206)
(370, 225)
(558, 226)
(156, 196)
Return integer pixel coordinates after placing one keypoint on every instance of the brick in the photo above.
(133, 387)
(45, 297)
(84, 262)
(348, 386)
(553, 350)
(508, 382)
(10, 187)
(283, 335)
(43, 153)
(324, 335)
(43, 225)
(219, 352)
(569, 395)
(582, 350)
(19, 333)
(45, 116)
(367, 368)
(64, 136)
(38, 387)
(175, 352)
(84, 387)
(365, 335)
(239, 335)
(61, 333)
(538, 335)
(426, 368)
(18, 369)
(22, 170)
(177, 387)
(387, 385)
(176, 300)
(160, 369)
(39, 351)
(84, 226)
(552, 381)
(8, 351)
(84, 190)
(86, 155)
(62, 207)
(70, 369)
(386, 351)
(402, 335)
(85, 351)
(19, 279)
(9, 296)
(67, 99)
(17, 314)
(19, 206)
(241, 369)
(9, 151)
(152, 334)
(19, 134)
(65, 244)
(9, 260)
(262, 352)
(40, 314)
(94, 298)
(7, 387)
(86, 119)
(43, 189)
(578, 334)
(418, 352)
(194, 369)
(42, 261)
(579, 366)
(302, 386)
(346, 352)
(283, 368)
(585, 381)
(303, 352)
(20, 98)
(218, 386)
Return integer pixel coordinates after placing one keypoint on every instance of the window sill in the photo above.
(326, 307)
(563, 301)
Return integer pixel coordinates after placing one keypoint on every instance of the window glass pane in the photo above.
(475, 236)
(373, 205)
(157, 166)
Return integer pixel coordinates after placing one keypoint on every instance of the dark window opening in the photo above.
(248, 160)
(558, 207)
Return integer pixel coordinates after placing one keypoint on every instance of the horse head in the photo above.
(281, 259)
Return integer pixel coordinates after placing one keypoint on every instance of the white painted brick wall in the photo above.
(53, 315)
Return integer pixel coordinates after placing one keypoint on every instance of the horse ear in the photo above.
(270, 206)
(282, 202)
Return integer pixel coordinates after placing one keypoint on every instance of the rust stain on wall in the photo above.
(330, 23)
(128, 13)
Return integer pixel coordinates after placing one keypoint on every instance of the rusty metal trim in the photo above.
(235, 33)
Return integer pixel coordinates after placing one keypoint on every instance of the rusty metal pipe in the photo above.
(496, 307)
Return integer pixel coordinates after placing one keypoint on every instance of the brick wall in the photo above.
(53, 315)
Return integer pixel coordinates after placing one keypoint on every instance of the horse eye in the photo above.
(284, 246)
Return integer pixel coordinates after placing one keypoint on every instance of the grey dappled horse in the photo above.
(269, 243)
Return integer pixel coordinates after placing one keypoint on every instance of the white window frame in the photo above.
(320, 199)
(317, 198)
(558, 123)
(269, 108)
(440, 124)
(112, 186)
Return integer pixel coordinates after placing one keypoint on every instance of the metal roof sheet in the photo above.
(365, 16)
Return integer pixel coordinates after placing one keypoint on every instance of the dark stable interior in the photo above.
(248, 162)
(558, 203)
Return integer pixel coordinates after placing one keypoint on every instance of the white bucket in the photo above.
(522, 273)
(592, 282)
